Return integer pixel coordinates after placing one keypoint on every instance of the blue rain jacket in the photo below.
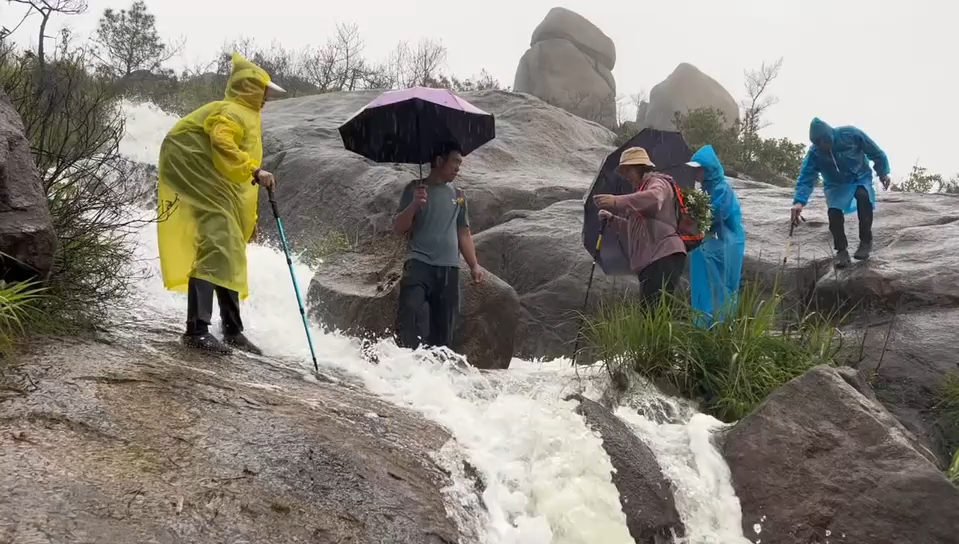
(716, 266)
(843, 168)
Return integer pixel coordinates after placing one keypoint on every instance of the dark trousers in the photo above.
(659, 275)
(837, 221)
(435, 289)
(199, 308)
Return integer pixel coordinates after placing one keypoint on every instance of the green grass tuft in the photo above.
(19, 303)
(729, 367)
(948, 409)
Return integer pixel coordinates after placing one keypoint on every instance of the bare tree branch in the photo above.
(757, 83)
(47, 8)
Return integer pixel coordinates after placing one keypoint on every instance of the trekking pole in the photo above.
(296, 287)
(589, 284)
(789, 240)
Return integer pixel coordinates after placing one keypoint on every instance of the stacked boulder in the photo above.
(569, 65)
(686, 89)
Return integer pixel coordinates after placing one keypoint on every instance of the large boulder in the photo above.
(818, 461)
(908, 290)
(358, 294)
(569, 65)
(646, 495)
(686, 88)
(146, 442)
(563, 24)
(28, 241)
(541, 155)
(541, 255)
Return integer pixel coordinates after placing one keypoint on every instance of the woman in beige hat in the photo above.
(649, 219)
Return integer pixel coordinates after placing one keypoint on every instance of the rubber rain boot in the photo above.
(242, 343)
(863, 252)
(206, 342)
(842, 259)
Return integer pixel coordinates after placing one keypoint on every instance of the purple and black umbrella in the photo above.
(406, 126)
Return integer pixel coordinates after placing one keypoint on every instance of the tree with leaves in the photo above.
(920, 180)
(127, 41)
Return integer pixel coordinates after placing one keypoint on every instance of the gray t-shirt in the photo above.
(433, 236)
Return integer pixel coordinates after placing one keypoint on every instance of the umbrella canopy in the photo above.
(670, 153)
(406, 126)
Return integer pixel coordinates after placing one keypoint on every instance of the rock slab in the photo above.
(101, 443)
(819, 462)
(646, 495)
(908, 290)
(28, 240)
(541, 155)
(541, 255)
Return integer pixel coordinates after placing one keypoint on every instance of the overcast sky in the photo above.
(874, 64)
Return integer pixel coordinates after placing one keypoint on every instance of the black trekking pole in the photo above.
(589, 284)
(296, 286)
(789, 240)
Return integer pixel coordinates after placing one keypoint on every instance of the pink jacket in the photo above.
(650, 221)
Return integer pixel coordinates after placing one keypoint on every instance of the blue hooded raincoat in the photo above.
(843, 168)
(716, 266)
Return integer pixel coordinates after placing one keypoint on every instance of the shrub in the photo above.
(73, 121)
(731, 366)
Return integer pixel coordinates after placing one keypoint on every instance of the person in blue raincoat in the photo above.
(716, 266)
(841, 156)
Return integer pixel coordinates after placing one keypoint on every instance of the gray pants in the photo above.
(436, 289)
(661, 274)
(199, 308)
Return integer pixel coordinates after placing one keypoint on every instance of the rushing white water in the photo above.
(548, 478)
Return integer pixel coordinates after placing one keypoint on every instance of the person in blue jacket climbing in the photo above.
(840, 156)
(716, 266)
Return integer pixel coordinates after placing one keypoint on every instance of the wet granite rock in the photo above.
(103, 443)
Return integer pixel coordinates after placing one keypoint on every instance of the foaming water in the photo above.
(548, 479)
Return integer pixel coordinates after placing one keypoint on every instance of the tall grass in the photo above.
(18, 303)
(730, 366)
(948, 407)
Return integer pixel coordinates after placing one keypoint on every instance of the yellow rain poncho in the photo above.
(206, 198)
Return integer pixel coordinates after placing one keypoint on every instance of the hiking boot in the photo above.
(865, 248)
(206, 342)
(842, 259)
(242, 343)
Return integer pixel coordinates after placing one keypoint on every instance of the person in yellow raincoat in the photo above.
(209, 167)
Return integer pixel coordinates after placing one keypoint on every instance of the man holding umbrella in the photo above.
(417, 126)
(433, 215)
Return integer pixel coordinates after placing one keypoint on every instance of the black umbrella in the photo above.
(407, 126)
(670, 153)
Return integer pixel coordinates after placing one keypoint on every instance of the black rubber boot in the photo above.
(863, 252)
(206, 342)
(842, 259)
(242, 343)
